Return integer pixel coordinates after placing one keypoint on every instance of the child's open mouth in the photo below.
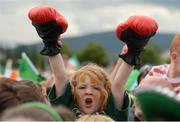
(88, 102)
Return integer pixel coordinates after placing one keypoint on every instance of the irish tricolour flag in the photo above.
(28, 71)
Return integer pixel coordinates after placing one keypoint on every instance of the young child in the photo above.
(171, 71)
(163, 74)
(90, 90)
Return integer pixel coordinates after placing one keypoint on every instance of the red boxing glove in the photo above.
(49, 25)
(142, 25)
(43, 14)
(135, 32)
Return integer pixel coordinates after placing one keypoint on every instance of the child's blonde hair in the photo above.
(96, 73)
(95, 118)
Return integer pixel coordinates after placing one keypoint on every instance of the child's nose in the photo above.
(88, 91)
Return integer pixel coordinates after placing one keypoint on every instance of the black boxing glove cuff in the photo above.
(130, 59)
(50, 49)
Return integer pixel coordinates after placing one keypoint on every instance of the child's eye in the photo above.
(96, 88)
(81, 87)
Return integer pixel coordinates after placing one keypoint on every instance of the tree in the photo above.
(65, 49)
(151, 55)
(94, 53)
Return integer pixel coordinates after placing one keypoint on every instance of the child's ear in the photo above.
(174, 55)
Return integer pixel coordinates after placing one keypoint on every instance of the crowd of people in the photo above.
(90, 93)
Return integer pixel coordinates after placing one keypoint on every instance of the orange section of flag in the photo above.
(14, 74)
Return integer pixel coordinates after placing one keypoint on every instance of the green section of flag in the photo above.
(132, 80)
(28, 71)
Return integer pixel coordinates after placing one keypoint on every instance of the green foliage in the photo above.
(168, 61)
(94, 53)
(151, 55)
(65, 49)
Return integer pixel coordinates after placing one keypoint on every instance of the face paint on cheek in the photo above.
(102, 101)
(100, 98)
(78, 97)
(95, 95)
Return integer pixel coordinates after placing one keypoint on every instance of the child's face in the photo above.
(177, 64)
(88, 95)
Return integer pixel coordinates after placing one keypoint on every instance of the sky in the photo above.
(84, 16)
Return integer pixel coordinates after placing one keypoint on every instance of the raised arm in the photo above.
(58, 68)
(49, 25)
(135, 32)
(118, 63)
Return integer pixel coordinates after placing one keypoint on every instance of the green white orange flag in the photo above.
(28, 71)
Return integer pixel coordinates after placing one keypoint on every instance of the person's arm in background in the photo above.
(50, 25)
(135, 32)
(49, 81)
